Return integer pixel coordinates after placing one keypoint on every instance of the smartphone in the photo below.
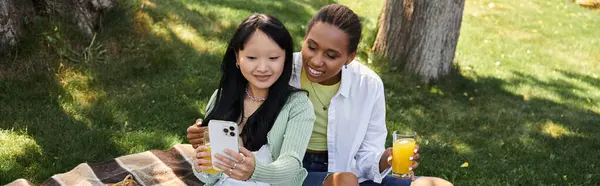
(223, 135)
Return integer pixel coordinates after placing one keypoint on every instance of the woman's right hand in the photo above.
(195, 134)
(199, 160)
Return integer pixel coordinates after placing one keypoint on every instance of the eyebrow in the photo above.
(311, 41)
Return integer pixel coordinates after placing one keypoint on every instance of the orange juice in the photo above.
(401, 152)
(211, 170)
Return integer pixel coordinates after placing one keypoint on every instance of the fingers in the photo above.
(201, 152)
(203, 162)
(412, 176)
(225, 160)
(414, 157)
(239, 173)
(202, 168)
(237, 157)
(248, 158)
(196, 141)
(246, 152)
(242, 171)
(199, 165)
(201, 148)
(195, 135)
(225, 168)
(195, 129)
(414, 165)
(201, 155)
(388, 153)
(235, 173)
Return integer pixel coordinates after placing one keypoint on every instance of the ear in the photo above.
(351, 57)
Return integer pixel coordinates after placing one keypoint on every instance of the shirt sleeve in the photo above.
(373, 145)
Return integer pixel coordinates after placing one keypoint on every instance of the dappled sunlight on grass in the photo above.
(483, 120)
(213, 13)
(554, 130)
(17, 148)
(524, 42)
(560, 87)
(462, 148)
(14, 144)
(139, 141)
(173, 25)
(80, 95)
(190, 36)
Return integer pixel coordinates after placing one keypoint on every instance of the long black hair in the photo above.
(229, 103)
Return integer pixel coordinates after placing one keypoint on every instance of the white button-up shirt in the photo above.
(356, 129)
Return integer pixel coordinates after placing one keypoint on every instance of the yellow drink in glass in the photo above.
(211, 170)
(403, 148)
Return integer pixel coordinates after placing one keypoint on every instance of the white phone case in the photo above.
(223, 135)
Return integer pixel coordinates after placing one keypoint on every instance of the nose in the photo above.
(316, 61)
(262, 66)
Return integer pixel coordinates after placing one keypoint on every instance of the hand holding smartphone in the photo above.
(223, 135)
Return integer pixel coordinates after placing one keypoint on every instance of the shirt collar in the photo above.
(346, 80)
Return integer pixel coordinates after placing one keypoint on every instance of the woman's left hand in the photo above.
(240, 167)
(414, 158)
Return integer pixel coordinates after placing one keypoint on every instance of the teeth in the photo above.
(313, 71)
(262, 77)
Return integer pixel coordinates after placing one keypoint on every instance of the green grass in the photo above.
(522, 107)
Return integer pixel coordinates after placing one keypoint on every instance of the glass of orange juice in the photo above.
(207, 144)
(402, 150)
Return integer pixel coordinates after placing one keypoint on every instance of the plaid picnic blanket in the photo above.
(154, 167)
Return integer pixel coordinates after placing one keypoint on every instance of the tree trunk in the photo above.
(420, 36)
(87, 14)
(13, 15)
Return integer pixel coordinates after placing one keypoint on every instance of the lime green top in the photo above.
(320, 96)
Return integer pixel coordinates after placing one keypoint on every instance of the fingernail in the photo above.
(411, 158)
(415, 150)
(410, 169)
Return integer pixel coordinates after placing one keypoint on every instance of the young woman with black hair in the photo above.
(274, 117)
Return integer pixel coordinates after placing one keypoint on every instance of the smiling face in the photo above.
(324, 53)
(261, 61)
